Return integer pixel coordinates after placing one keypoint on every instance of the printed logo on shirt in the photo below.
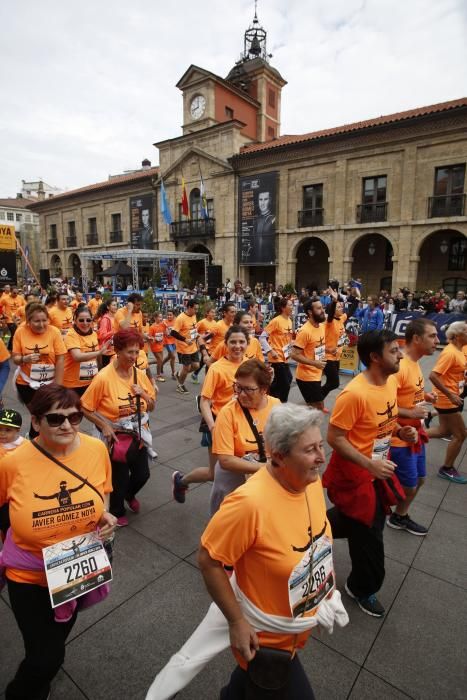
(37, 349)
(65, 511)
(128, 408)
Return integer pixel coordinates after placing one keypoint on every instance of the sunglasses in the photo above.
(84, 320)
(57, 419)
(247, 389)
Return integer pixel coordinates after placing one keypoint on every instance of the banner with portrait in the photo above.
(141, 231)
(8, 274)
(257, 211)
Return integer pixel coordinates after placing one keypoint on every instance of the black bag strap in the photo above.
(67, 469)
(254, 430)
(138, 402)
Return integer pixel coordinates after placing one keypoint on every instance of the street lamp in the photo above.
(372, 248)
(444, 247)
(311, 250)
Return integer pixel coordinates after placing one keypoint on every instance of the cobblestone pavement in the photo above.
(158, 597)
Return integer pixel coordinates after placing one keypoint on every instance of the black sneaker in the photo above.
(181, 388)
(370, 604)
(403, 522)
(178, 489)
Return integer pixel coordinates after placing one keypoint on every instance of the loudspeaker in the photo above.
(215, 276)
(44, 278)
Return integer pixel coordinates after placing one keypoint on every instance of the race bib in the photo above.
(158, 337)
(381, 448)
(310, 582)
(75, 567)
(87, 370)
(42, 373)
(342, 340)
(286, 350)
(193, 334)
(461, 386)
(320, 353)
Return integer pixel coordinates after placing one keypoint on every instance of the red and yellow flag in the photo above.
(185, 208)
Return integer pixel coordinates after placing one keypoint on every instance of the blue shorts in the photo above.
(206, 439)
(170, 347)
(411, 466)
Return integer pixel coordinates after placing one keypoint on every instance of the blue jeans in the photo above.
(4, 372)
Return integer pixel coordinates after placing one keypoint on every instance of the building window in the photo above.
(19, 217)
(229, 113)
(312, 211)
(72, 229)
(2, 215)
(195, 206)
(457, 254)
(448, 192)
(53, 230)
(272, 98)
(92, 225)
(10, 216)
(374, 205)
(27, 218)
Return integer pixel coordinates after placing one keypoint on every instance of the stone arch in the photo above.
(56, 268)
(312, 267)
(371, 255)
(196, 267)
(440, 258)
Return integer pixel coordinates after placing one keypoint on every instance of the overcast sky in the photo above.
(88, 86)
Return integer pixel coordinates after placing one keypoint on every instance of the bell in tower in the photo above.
(254, 45)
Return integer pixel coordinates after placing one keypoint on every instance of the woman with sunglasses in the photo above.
(106, 328)
(48, 504)
(112, 402)
(39, 353)
(216, 392)
(237, 439)
(82, 345)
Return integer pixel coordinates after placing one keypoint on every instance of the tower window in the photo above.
(272, 98)
(271, 132)
(229, 113)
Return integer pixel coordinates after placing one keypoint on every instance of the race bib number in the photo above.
(461, 386)
(320, 353)
(286, 350)
(342, 340)
(381, 448)
(87, 370)
(158, 337)
(193, 334)
(75, 567)
(42, 373)
(310, 582)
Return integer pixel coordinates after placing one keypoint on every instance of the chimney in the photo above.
(146, 164)
(19, 195)
(40, 191)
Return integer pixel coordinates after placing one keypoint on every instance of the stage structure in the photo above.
(134, 256)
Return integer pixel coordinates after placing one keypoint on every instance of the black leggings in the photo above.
(127, 480)
(280, 386)
(44, 641)
(26, 395)
(331, 372)
(298, 686)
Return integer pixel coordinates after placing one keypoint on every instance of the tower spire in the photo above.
(254, 43)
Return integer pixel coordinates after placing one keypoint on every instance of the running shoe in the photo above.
(403, 522)
(194, 378)
(134, 504)
(122, 521)
(447, 439)
(174, 377)
(178, 489)
(451, 474)
(159, 378)
(369, 605)
(181, 388)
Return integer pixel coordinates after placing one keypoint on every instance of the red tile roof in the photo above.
(287, 140)
(16, 202)
(96, 187)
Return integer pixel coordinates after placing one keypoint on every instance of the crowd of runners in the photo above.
(266, 554)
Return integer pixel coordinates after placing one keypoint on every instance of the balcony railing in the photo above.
(53, 242)
(92, 239)
(116, 236)
(310, 217)
(368, 213)
(71, 242)
(204, 228)
(446, 205)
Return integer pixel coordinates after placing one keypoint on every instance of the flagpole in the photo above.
(25, 257)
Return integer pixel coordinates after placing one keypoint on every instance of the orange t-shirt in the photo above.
(157, 332)
(49, 345)
(112, 396)
(61, 318)
(46, 503)
(75, 303)
(451, 366)
(78, 374)
(142, 361)
(280, 332)
(335, 337)
(369, 415)
(11, 306)
(264, 531)
(206, 326)
(93, 305)
(218, 383)
(219, 329)
(4, 354)
(136, 319)
(310, 340)
(232, 434)
(186, 326)
(253, 350)
(168, 339)
(410, 392)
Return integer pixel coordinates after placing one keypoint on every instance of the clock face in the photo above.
(197, 107)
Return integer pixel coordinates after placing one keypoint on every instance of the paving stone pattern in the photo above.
(158, 597)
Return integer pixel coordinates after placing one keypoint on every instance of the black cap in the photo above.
(10, 418)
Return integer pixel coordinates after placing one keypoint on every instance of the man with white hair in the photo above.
(457, 305)
(448, 376)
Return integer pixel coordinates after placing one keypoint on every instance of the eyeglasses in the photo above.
(238, 388)
(57, 419)
(84, 320)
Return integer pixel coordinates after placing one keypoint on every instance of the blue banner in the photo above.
(400, 321)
